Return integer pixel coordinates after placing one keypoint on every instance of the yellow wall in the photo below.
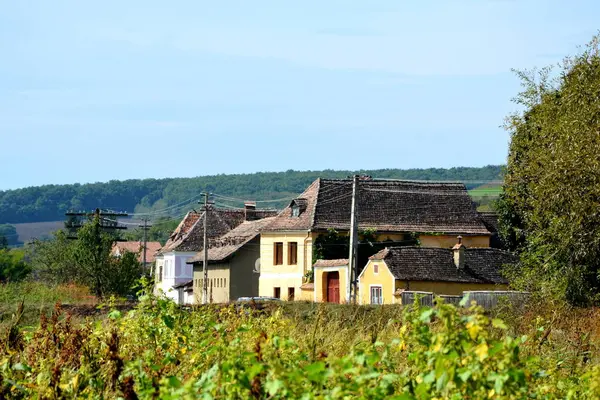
(448, 241)
(284, 276)
(448, 288)
(384, 279)
(321, 282)
(219, 283)
(306, 295)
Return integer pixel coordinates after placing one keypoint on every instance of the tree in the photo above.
(13, 268)
(549, 210)
(87, 260)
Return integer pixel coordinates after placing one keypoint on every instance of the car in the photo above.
(258, 299)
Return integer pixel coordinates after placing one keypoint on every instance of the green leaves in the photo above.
(549, 208)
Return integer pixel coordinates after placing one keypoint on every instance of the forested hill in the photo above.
(50, 202)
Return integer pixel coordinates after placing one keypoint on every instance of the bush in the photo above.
(161, 351)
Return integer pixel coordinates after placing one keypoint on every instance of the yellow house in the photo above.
(398, 211)
(438, 270)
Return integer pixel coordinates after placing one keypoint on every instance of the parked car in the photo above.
(259, 298)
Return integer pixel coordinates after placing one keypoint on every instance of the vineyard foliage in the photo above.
(289, 351)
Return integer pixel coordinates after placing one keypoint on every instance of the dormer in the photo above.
(298, 206)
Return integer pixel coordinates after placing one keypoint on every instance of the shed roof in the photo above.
(137, 247)
(225, 246)
(413, 263)
(189, 235)
(342, 262)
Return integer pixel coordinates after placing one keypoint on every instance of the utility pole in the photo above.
(205, 253)
(107, 221)
(351, 290)
(145, 227)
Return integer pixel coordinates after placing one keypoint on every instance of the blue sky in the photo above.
(93, 91)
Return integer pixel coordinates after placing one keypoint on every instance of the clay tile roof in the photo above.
(189, 235)
(308, 286)
(482, 265)
(332, 263)
(386, 205)
(490, 220)
(134, 247)
(225, 246)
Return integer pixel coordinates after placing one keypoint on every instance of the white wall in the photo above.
(175, 271)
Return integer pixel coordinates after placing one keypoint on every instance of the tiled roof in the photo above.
(332, 263)
(225, 246)
(482, 265)
(189, 235)
(308, 286)
(490, 220)
(151, 249)
(386, 205)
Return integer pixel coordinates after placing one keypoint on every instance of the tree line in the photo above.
(50, 202)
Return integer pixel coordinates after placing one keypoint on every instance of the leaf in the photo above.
(482, 351)
(426, 315)
(114, 314)
(273, 386)
(498, 323)
(168, 320)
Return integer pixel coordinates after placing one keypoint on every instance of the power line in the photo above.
(186, 202)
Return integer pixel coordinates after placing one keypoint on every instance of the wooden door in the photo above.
(333, 287)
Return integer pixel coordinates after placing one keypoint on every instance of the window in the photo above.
(295, 211)
(292, 253)
(278, 253)
(291, 291)
(376, 295)
(277, 293)
(375, 268)
(160, 273)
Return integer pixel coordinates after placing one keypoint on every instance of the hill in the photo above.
(50, 202)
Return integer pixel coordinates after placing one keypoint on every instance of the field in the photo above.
(303, 351)
(486, 191)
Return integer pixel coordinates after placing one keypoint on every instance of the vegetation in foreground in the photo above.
(302, 351)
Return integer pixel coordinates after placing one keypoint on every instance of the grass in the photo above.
(39, 298)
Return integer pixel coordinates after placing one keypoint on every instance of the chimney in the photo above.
(459, 254)
(250, 210)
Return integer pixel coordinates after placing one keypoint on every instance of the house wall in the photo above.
(448, 288)
(320, 292)
(244, 280)
(175, 271)
(284, 276)
(306, 295)
(383, 278)
(448, 241)
(219, 281)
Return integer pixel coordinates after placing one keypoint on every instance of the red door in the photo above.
(333, 287)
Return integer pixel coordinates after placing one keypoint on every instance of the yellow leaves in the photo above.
(491, 393)
(473, 328)
(482, 351)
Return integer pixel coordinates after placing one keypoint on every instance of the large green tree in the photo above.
(87, 260)
(550, 207)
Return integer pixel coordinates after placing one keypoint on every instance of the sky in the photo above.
(94, 91)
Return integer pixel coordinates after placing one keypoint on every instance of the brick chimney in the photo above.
(250, 210)
(459, 253)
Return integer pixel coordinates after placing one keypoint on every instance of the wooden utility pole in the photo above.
(205, 253)
(351, 290)
(145, 227)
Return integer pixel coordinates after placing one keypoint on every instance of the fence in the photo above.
(486, 299)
